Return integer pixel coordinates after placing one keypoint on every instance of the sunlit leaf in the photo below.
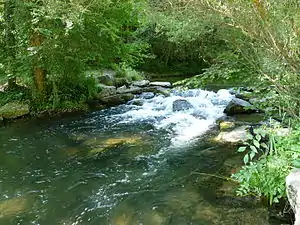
(246, 158)
(242, 149)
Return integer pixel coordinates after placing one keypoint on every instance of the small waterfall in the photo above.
(185, 114)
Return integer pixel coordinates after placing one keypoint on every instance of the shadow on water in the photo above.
(97, 169)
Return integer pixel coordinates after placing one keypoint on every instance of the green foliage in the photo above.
(67, 38)
(275, 155)
(129, 73)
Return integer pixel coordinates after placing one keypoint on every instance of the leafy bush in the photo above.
(129, 73)
(268, 162)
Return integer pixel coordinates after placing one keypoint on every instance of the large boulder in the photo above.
(141, 83)
(181, 105)
(106, 77)
(106, 91)
(293, 193)
(13, 110)
(161, 84)
(131, 90)
(239, 106)
(117, 99)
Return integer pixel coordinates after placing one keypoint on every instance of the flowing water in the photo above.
(128, 165)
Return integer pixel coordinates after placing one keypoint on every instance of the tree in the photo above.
(58, 40)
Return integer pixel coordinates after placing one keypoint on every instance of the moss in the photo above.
(14, 110)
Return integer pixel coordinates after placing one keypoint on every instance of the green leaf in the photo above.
(256, 143)
(252, 154)
(250, 136)
(253, 149)
(264, 145)
(246, 158)
(241, 149)
(258, 137)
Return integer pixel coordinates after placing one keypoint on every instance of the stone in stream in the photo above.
(117, 99)
(225, 125)
(239, 106)
(13, 207)
(141, 83)
(181, 105)
(13, 110)
(236, 136)
(161, 84)
(100, 145)
(136, 102)
(293, 193)
(147, 95)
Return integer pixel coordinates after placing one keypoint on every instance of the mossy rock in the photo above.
(13, 207)
(225, 125)
(101, 146)
(13, 110)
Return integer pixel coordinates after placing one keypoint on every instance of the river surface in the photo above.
(128, 165)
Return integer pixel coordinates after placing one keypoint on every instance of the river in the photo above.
(136, 164)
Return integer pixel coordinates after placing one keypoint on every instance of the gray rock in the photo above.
(13, 110)
(147, 95)
(199, 115)
(239, 106)
(161, 84)
(141, 83)
(117, 99)
(181, 105)
(235, 136)
(293, 192)
(122, 89)
(106, 91)
(130, 90)
(137, 102)
(106, 77)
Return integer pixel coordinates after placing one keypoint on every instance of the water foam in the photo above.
(184, 125)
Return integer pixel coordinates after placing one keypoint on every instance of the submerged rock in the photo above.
(14, 110)
(100, 145)
(13, 207)
(293, 193)
(136, 102)
(237, 135)
(239, 106)
(181, 105)
(147, 95)
(161, 84)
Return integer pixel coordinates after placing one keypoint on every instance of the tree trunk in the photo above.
(9, 36)
(39, 73)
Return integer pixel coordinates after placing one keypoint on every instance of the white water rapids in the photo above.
(184, 125)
